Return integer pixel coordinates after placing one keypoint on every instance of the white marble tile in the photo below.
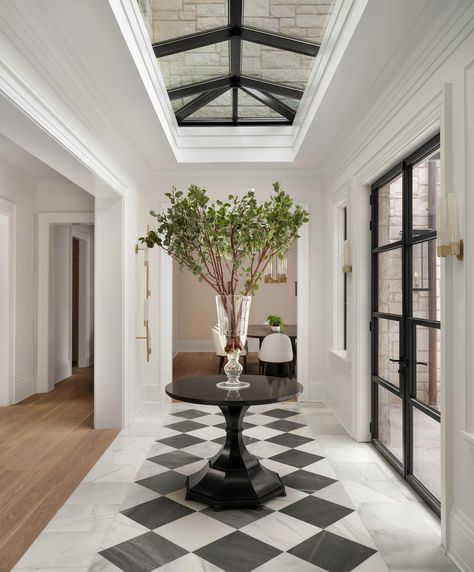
(204, 450)
(180, 496)
(360, 471)
(372, 491)
(192, 467)
(148, 469)
(49, 569)
(322, 467)
(373, 564)
(159, 449)
(303, 432)
(211, 419)
(260, 419)
(101, 564)
(335, 493)
(111, 473)
(122, 529)
(277, 467)
(164, 432)
(189, 563)
(288, 563)
(194, 531)
(279, 503)
(280, 530)
(62, 550)
(312, 447)
(397, 516)
(137, 495)
(83, 518)
(352, 527)
(261, 432)
(266, 449)
(208, 433)
(99, 493)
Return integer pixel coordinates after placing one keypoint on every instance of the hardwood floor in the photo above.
(47, 446)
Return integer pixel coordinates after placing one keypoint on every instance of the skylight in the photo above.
(235, 62)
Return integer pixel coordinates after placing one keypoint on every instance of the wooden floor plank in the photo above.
(47, 446)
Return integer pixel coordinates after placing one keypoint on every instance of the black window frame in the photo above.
(265, 92)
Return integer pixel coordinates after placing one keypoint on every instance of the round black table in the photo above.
(234, 477)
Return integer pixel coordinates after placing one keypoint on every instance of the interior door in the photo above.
(405, 324)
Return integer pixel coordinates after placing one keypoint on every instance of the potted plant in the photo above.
(275, 323)
(227, 244)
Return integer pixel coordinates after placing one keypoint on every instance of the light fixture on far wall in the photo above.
(346, 256)
(449, 242)
(277, 270)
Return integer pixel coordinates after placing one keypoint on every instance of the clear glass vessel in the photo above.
(233, 320)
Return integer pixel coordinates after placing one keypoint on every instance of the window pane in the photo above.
(428, 365)
(278, 66)
(426, 281)
(390, 421)
(165, 21)
(220, 108)
(390, 281)
(390, 212)
(306, 21)
(427, 451)
(249, 107)
(200, 64)
(426, 182)
(388, 340)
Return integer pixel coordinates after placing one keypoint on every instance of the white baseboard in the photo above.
(25, 388)
(152, 393)
(339, 406)
(461, 539)
(62, 371)
(317, 392)
(135, 403)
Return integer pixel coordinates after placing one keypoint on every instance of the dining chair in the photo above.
(277, 349)
(219, 347)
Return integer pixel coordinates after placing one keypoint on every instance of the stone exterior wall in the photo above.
(305, 19)
(426, 292)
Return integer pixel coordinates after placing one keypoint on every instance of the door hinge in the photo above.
(370, 226)
(370, 326)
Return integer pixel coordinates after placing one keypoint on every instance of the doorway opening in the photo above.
(7, 385)
(406, 321)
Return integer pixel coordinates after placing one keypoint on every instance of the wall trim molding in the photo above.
(25, 388)
(461, 534)
(62, 371)
(135, 402)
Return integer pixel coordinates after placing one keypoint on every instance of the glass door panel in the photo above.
(406, 327)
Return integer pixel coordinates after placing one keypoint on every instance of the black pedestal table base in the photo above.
(234, 477)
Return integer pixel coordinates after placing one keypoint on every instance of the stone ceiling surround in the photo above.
(300, 19)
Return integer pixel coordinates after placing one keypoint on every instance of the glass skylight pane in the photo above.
(277, 66)
(200, 64)
(250, 108)
(167, 19)
(178, 103)
(220, 108)
(305, 20)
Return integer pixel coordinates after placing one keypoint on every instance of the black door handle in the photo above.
(421, 363)
(402, 361)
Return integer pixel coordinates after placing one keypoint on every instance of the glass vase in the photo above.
(233, 320)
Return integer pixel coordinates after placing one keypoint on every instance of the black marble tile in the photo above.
(332, 552)
(306, 481)
(143, 553)
(175, 459)
(190, 413)
(180, 441)
(185, 426)
(289, 440)
(284, 425)
(237, 517)
(296, 458)
(280, 413)
(318, 512)
(157, 512)
(237, 552)
(164, 483)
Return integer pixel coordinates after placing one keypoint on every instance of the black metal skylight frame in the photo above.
(264, 92)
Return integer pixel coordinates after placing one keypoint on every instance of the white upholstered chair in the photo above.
(276, 348)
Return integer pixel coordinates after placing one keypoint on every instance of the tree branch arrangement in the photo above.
(227, 243)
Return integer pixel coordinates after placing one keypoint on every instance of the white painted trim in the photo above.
(136, 401)
(303, 304)
(45, 220)
(25, 388)
(461, 535)
(8, 209)
(62, 371)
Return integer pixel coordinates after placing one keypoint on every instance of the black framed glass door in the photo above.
(405, 323)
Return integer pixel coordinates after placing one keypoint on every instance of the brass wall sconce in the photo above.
(146, 308)
(346, 255)
(277, 271)
(449, 242)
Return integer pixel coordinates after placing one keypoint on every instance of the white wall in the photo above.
(305, 187)
(429, 91)
(5, 350)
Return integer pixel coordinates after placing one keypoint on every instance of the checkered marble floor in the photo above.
(157, 529)
(346, 509)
